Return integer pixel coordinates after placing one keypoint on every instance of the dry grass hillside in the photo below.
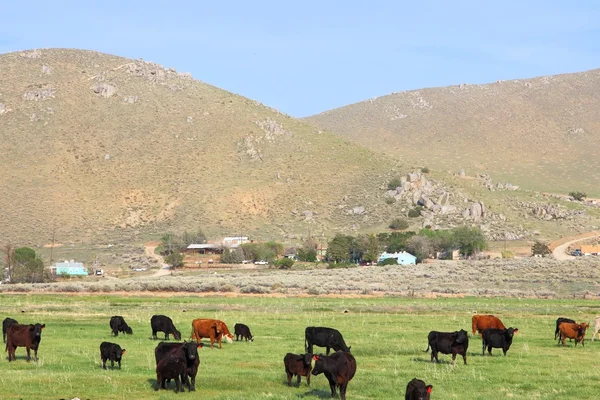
(542, 134)
(107, 148)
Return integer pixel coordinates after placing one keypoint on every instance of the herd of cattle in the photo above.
(179, 361)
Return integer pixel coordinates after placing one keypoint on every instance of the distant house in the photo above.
(235, 241)
(203, 248)
(402, 257)
(69, 268)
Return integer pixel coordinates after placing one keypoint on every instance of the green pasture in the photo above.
(388, 337)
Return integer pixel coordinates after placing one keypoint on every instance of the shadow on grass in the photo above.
(321, 394)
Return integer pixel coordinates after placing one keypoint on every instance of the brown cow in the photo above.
(28, 336)
(213, 329)
(481, 322)
(572, 331)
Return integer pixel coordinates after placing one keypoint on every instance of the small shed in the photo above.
(402, 257)
(69, 268)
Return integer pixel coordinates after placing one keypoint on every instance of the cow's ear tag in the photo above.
(315, 357)
(429, 388)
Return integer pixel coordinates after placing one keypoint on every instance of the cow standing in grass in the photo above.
(324, 337)
(559, 321)
(111, 351)
(171, 368)
(213, 329)
(339, 368)
(299, 365)
(241, 330)
(573, 331)
(187, 351)
(162, 323)
(497, 338)
(28, 336)
(448, 343)
(118, 324)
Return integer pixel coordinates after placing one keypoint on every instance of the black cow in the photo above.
(324, 337)
(339, 368)
(497, 338)
(188, 351)
(112, 352)
(299, 365)
(28, 336)
(118, 324)
(243, 331)
(5, 324)
(171, 368)
(162, 323)
(559, 321)
(448, 343)
(417, 390)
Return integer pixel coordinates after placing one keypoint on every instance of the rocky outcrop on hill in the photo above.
(444, 208)
(486, 181)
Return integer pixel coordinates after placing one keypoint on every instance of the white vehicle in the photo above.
(261, 262)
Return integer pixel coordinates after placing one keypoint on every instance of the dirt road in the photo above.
(560, 251)
(165, 269)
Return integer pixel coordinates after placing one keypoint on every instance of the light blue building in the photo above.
(69, 268)
(402, 258)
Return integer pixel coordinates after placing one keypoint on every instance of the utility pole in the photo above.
(52, 247)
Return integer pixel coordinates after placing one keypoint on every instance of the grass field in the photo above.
(387, 335)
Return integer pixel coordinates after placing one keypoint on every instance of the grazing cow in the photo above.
(573, 331)
(299, 365)
(171, 368)
(112, 352)
(481, 322)
(448, 343)
(339, 368)
(213, 329)
(28, 336)
(417, 390)
(497, 338)
(324, 337)
(596, 328)
(162, 323)
(118, 324)
(188, 351)
(5, 324)
(559, 321)
(243, 331)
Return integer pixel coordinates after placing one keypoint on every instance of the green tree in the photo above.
(258, 251)
(540, 248)
(415, 212)
(577, 195)
(174, 259)
(369, 247)
(420, 247)
(341, 249)
(285, 263)
(308, 251)
(395, 241)
(232, 256)
(27, 266)
(442, 240)
(469, 240)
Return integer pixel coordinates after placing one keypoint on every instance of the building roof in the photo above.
(203, 246)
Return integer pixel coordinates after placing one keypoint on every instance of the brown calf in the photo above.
(572, 331)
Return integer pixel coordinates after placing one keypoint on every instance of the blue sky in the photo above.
(306, 57)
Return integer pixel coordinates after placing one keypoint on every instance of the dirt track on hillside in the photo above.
(560, 246)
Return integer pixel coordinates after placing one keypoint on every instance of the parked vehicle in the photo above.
(261, 262)
(576, 253)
